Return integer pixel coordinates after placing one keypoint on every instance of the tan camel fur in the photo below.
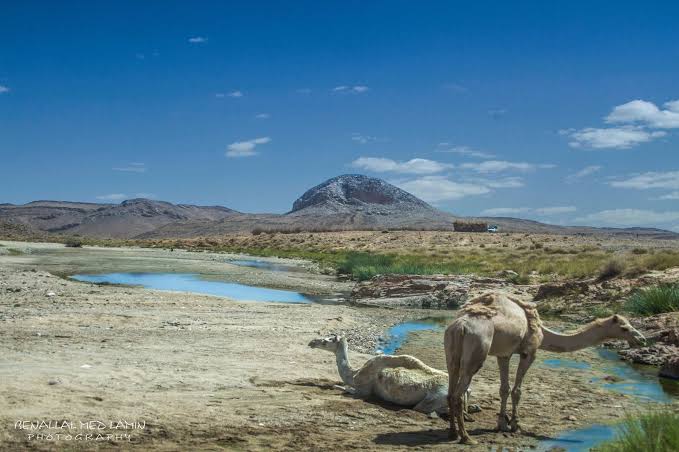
(497, 325)
(403, 380)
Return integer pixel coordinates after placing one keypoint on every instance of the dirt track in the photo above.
(209, 373)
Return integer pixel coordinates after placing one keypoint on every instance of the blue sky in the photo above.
(563, 113)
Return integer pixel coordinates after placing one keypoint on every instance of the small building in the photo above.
(470, 226)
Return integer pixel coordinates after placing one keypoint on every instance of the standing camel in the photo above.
(494, 324)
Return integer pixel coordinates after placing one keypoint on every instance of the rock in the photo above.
(561, 289)
(51, 294)
(507, 274)
(427, 292)
(53, 382)
(671, 368)
(571, 418)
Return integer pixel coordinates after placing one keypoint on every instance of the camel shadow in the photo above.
(437, 436)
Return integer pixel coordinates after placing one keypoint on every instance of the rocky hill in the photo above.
(347, 202)
(127, 219)
(351, 192)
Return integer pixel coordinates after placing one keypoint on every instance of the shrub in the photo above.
(73, 242)
(654, 300)
(611, 269)
(639, 251)
(519, 279)
(656, 431)
(257, 231)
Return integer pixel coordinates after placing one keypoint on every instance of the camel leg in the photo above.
(524, 364)
(503, 419)
(460, 390)
(453, 347)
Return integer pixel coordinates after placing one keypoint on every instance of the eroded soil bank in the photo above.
(207, 372)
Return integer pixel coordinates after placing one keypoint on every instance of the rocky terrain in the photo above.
(428, 292)
(347, 202)
(209, 372)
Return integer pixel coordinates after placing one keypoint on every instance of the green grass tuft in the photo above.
(657, 431)
(654, 300)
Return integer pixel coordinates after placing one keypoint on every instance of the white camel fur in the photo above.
(497, 325)
(403, 380)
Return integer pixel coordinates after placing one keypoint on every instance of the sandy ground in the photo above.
(210, 373)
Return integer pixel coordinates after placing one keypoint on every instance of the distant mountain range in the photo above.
(346, 202)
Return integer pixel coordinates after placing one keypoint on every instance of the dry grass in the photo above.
(443, 252)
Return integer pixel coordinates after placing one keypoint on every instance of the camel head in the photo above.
(330, 343)
(620, 328)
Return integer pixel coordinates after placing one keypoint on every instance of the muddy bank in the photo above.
(59, 260)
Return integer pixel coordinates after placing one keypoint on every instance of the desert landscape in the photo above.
(181, 369)
(338, 226)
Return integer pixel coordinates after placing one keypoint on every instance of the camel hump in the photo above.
(532, 315)
(482, 306)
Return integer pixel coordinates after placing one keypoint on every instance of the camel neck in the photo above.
(588, 336)
(343, 365)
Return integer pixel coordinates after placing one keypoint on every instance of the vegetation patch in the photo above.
(657, 431)
(654, 300)
(363, 266)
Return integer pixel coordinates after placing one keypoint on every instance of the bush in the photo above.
(611, 269)
(657, 431)
(654, 300)
(73, 242)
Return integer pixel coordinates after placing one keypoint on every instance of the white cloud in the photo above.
(556, 210)
(586, 171)
(220, 95)
(262, 116)
(235, 94)
(496, 166)
(497, 113)
(365, 139)
(131, 168)
(145, 195)
(505, 182)
(646, 113)
(413, 166)
(437, 188)
(464, 150)
(245, 148)
(629, 217)
(4, 89)
(645, 181)
(350, 89)
(669, 196)
(504, 211)
(540, 211)
(633, 123)
(455, 88)
(197, 40)
(611, 138)
(113, 197)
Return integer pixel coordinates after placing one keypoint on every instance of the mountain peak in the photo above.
(352, 191)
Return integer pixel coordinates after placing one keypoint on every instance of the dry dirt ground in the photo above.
(209, 373)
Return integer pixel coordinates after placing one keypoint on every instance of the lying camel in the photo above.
(402, 380)
(497, 325)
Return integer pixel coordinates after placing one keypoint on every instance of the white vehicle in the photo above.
(493, 228)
